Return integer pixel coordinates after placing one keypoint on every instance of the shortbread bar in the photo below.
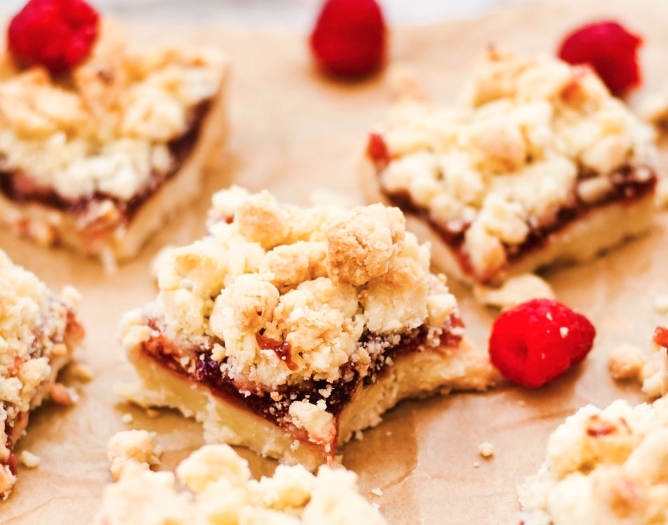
(98, 159)
(603, 467)
(38, 334)
(540, 165)
(218, 489)
(288, 329)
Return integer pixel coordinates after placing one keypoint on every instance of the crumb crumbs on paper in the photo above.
(359, 436)
(626, 362)
(661, 304)
(82, 372)
(476, 464)
(152, 413)
(28, 459)
(63, 395)
(486, 449)
(127, 418)
(377, 491)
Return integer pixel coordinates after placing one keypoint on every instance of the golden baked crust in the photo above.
(293, 313)
(218, 488)
(603, 467)
(537, 146)
(80, 157)
(38, 334)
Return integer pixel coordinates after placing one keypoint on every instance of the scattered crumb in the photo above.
(131, 447)
(377, 491)
(152, 413)
(28, 459)
(514, 291)
(63, 395)
(359, 436)
(476, 464)
(127, 418)
(652, 376)
(82, 372)
(486, 449)
(626, 362)
(661, 304)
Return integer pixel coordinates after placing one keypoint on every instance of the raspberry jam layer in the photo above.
(274, 405)
(21, 188)
(625, 189)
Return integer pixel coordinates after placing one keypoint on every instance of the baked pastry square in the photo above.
(218, 488)
(99, 158)
(288, 329)
(540, 165)
(603, 467)
(38, 334)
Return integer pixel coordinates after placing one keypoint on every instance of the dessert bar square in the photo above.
(98, 158)
(540, 165)
(38, 334)
(288, 329)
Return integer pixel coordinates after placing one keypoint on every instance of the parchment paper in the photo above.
(294, 131)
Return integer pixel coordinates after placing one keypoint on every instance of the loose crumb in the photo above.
(131, 447)
(486, 449)
(476, 464)
(377, 491)
(28, 459)
(153, 413)
(82, 372)
(661, 304)
(359, 436)
(63, 395)
(626, 362)
(127, 418)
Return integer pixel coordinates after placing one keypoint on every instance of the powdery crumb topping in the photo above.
(105, 129)
(509, 158)
(314, 278)
(33, 326)
(626, 362)
(603, 467)
(514, 291)
(28, 459)
(218, 488)
(131, 447)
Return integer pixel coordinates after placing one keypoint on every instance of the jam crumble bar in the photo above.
(287, 329)
(540, 165)
(98, 158)
(38, 334)
(218, 488)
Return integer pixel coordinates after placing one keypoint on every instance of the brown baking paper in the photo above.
(293, 132)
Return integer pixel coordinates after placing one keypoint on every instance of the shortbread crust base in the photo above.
(600, 229)
(418, 374)
(54, 227)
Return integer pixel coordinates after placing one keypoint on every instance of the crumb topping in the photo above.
(131, 447)
(283, 296)
(218, 488)
(106, 128)
(534, 135)
(603, 466)
(34, 325)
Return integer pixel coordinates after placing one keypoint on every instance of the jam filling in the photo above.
(625, 188)
(19, 186)
(274, 406)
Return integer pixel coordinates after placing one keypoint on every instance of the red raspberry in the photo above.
(609, 49)
(57, 34)
(349, 37)
(538, 341)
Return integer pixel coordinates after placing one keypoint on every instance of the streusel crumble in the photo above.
(218, 488)
(288, 329)
(603, 467)
(96, 159)
(38, 334)
(540, 164)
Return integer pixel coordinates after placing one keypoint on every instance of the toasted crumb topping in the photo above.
(626, 362)
(219, 489)
(311, 281)
(603, 466)
(106, 128)
(33, 333)
(131, 447)
(533, 135)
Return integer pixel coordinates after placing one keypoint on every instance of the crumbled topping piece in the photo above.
(514, 291)
(661, 304)
(219, 487)
(486, 449)
(63, 395)
(131, 447)
(534, 135)
(83, 372)
(603, 466)
(28, 459)
(626, 362)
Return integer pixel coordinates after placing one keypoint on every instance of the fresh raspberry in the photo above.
(349, 37)
(609, 49)
(538, 341)
(57, 34)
